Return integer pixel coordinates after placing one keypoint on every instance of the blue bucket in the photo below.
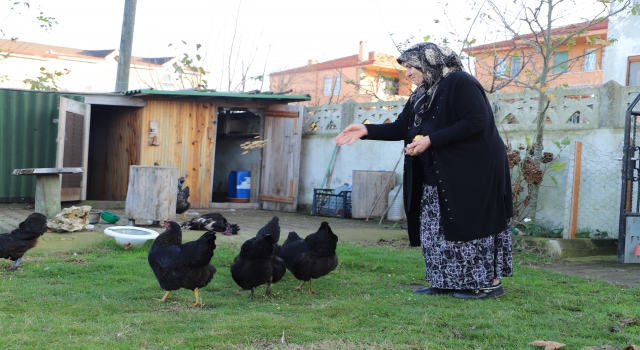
(239, 184)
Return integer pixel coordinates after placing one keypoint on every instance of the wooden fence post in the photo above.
(575, 196)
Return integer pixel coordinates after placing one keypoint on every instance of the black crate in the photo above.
(326, 203)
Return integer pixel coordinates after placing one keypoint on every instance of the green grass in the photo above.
(102, 298)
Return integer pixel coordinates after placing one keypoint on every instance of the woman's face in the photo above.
(414, 75)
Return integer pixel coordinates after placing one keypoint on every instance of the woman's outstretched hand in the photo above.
(350, 134)
(418, 146)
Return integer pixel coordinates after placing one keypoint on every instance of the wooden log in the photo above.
(367, 187)
(151, 194)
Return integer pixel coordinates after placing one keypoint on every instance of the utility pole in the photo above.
(126, 42)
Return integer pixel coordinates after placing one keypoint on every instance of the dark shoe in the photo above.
(492, 292)
(432, 291)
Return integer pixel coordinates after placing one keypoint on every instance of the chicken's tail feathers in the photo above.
(233, 229)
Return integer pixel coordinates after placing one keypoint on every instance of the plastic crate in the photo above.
(326, 203)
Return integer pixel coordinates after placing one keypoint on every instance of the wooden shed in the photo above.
(199, 132)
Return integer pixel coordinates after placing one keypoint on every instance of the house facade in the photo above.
(368, 76)
(85, 70)
(499, 64)
(621, 61)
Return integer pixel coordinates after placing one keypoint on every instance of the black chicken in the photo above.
(272, 228)
(256, 265)
(312, 257)
(211, 222)
(13, 245)
(182, 205)
(178, 265)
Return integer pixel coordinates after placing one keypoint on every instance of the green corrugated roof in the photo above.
(241, 95)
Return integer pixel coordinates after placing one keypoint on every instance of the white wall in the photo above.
(624, 28)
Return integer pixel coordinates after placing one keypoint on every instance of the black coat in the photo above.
(474, 185)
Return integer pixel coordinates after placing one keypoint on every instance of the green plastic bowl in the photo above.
(109, 217)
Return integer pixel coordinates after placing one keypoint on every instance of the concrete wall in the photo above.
(601, 134)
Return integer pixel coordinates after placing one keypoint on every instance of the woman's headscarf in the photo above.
(434, 62)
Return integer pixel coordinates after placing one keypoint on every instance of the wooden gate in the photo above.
(280, 171)
(73, 147)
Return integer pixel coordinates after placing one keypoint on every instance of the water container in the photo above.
(239, 184)
(396, 210)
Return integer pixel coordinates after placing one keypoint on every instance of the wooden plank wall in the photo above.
(185, 139)
(114, 144)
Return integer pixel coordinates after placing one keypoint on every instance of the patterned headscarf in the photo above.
(434, 62)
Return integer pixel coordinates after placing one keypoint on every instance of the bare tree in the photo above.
(13, 10)
(537, 47)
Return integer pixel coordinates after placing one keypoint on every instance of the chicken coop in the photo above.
(205, 134)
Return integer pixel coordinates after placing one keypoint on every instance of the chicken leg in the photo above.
(197, 298)
(267, 293)
(184, 216)
(164, 298)
(299, 287)
(311, 291)
(15, 265)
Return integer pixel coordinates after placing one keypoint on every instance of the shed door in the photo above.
(73, 147)
(280, 171)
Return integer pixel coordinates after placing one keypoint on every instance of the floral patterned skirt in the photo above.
(460, 265)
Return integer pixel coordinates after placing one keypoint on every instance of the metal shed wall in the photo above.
(27, 139)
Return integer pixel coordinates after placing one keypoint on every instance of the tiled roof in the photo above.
(374, 58)
(556, 31)
(43, 50)
(51, 51)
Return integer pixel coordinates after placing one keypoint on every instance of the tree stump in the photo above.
(152, 192)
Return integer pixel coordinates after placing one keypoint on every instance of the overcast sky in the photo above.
(279, 33)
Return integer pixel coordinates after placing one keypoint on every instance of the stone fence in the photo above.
(593, 116)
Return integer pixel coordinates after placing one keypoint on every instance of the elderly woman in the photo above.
(457, 188)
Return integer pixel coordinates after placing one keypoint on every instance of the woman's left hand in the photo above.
(418, 146)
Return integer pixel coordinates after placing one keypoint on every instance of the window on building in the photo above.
(515, 66)
(589, 61)
(327, 85)
(560, 62)
(336, 86)
(633, 77)
(388, 85)
(501, 68)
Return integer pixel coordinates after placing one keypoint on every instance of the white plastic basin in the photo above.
(130, 234)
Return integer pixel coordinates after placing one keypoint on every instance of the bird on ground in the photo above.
(272, 228)
(182, 203)
(178, 265)
(15, 244)
(211, 222)
(256, 265)
(312, 257)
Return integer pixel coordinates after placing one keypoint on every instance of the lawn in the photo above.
(101, 296)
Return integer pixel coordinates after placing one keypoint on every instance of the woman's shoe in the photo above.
(486, 293)
(433, 291)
